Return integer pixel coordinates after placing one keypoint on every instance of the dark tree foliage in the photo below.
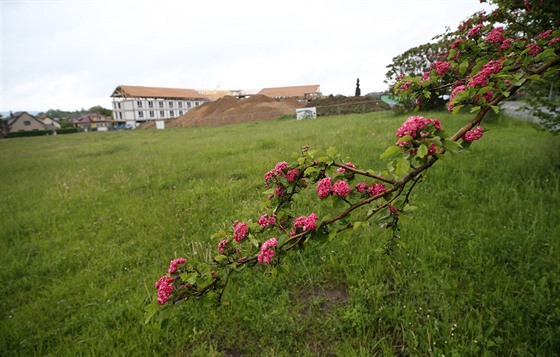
(358, 90)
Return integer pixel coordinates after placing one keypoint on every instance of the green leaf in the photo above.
(495, 108)
(309, 170)
(457, 108)
(403, 166)
(451, 146)
(332, 152)
(463, 66)
(220, 257)
(390, 151)
(422, 151)
(475, 109)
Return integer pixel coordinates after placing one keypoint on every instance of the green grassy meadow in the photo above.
(90, 221)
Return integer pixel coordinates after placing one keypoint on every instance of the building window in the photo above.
(151, 113)
(189, 104)
(150, 104)
(160, 104)
(119, 105)
(171, 113)
(170, 104)
(139, 103)
(196, 104)
(180, 104)
(120, 115)
(180, 112)
(161, 113)
(26, 122)
(140, 114)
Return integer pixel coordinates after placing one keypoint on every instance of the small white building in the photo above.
(133, 105)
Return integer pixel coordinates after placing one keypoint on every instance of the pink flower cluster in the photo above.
(481, 78)
(544, 34)
(324, 187)
(373, 190)
(341, 188)
(413, 126)
(292, 175)
(474, 134)
(267, 253)
(278, 170)
(458, 89)
(240, 230)
(165, 288)
(306, 223)
(343, 170)
(222, 246)
(495, 36)
(474, 31)
(534, 49)
(376, 189)
(266, 221)
(506, 43)
(441, 67)
(173, 265)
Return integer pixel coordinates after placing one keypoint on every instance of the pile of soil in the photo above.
(231, 110)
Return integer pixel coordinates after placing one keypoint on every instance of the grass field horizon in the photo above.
(90, 221)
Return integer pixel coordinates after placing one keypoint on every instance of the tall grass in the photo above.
(90, 221)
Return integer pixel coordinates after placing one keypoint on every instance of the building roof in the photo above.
(92, 118)
(154, 92)
(294, 91)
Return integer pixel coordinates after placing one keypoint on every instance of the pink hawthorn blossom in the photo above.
(475, 30)
(553, 41)
(361, 187)
(534, 49)
(173, 265)
(165, 288)
(376, 189)
(474, 134)
(343, 170)
(267, 253)
(441, 67)
(222, 246)
(458, 89)
(341, 188)
(306, 223)
(495, 36)
(240, 230)
(292, 175)
(265, 221)
(544, 34)
(413, 126)
(506, 44)
(324, 187)
(481, 78)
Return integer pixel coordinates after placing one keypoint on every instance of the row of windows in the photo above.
(151, 113)
(161, 104)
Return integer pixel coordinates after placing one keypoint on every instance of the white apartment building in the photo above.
(133, 105)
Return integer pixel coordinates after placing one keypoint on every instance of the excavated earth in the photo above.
(231, 110)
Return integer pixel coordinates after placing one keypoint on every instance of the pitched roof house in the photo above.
(133, 105)
(93, 121)
(23, 121)
(50, 123)
(298, 92)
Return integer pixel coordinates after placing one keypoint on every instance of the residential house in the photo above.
(23, 121)
(302, 93)
(50, 123)
(93, 121)
(133, 105)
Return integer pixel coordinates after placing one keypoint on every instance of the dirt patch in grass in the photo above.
(323, 298)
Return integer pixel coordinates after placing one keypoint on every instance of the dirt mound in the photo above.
(230, 110)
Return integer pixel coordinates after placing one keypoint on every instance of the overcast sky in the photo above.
(72, 54)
